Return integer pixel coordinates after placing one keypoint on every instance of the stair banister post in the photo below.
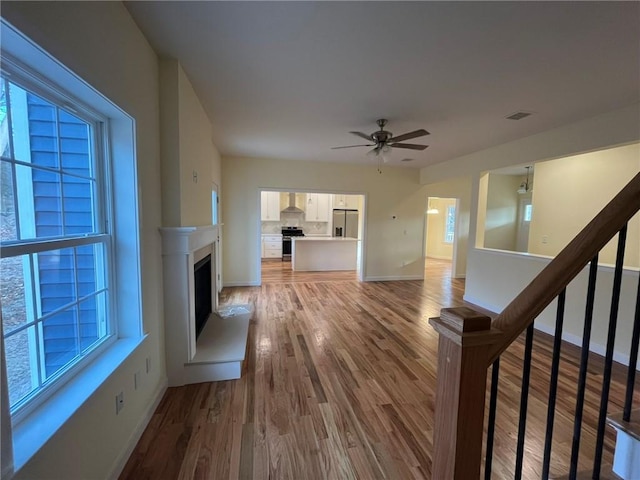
(465, 340)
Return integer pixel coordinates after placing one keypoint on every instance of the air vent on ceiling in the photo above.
(407, 160)
(518, 115)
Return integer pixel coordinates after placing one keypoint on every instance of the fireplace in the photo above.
(202, 291)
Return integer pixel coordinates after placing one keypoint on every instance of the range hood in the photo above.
(292, 205)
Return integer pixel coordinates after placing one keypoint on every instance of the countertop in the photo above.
(324, 239)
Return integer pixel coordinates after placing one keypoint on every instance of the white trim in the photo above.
(440, 257)
(253, 283)
(134, 438)
(392, 278)
(576, 340)
(481, 303)
(567, 337)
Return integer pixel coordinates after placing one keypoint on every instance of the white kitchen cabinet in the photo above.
(317, 207)
(270, 206)
(271, 246)
(350, 202)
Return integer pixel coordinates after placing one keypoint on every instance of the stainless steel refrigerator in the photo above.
(345, 223)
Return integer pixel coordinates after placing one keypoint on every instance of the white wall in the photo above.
(101, 43)
(393, 247)
(569, 191)
(494, 290)
(500, 226)
(187, 148)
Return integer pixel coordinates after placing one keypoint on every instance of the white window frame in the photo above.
(14, 72)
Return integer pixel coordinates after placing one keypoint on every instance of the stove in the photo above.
(287, 233)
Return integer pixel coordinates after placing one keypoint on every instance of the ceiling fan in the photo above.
(383, 141)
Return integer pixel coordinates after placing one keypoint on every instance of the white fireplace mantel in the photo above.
(185, 240)
(179, 247)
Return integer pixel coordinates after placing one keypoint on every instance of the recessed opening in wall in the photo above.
(315, 221)
(539, 210)
(202, 291)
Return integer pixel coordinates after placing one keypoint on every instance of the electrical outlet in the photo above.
(119, 402)
(137, 380)
(545, 239)
(148, 364)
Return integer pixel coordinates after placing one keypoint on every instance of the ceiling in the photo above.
(290, 79)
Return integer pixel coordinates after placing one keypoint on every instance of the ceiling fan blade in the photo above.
(408, 136)
(351, 146)
(362, 135)
(410, 146)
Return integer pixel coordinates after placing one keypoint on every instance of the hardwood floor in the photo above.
(339, 383)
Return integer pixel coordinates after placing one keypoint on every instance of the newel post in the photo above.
(463, 356)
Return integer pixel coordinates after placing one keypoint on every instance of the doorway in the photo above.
(440, 236)
(336, 218)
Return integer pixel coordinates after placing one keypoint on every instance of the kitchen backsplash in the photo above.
(296, 220)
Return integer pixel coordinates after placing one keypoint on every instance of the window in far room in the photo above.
(214, 207)
(450, 224)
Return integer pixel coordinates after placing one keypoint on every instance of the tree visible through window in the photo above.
(53, 239)
(450, 224)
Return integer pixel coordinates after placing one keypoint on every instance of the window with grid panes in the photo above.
(450, 224)
(54, 250)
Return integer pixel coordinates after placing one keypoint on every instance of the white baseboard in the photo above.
(593, 347)
(242, 284)
(393, 278)
(440, 257)
(122, 459)
(481, 304)
(567, 337)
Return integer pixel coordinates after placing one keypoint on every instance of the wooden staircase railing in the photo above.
(469, 342)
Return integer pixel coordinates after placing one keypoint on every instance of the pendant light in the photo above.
(524, 186)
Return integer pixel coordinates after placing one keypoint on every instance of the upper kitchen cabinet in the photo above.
(270, 206)
(317, 207)
(349, 202)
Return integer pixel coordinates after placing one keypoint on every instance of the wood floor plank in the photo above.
(339, 382)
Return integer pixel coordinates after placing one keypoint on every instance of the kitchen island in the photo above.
(323, 253)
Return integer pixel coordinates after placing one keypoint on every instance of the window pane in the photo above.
(39, 203)
(20, 351)
(8, 230)
(74, 144)
(528, 210)
(60, 332)
(5, 146)
(88, 267)
(13, 272)
(57, 279)
(92, 318)
(77, 205)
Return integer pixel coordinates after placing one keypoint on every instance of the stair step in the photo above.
(631, 428)
(626, 459)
